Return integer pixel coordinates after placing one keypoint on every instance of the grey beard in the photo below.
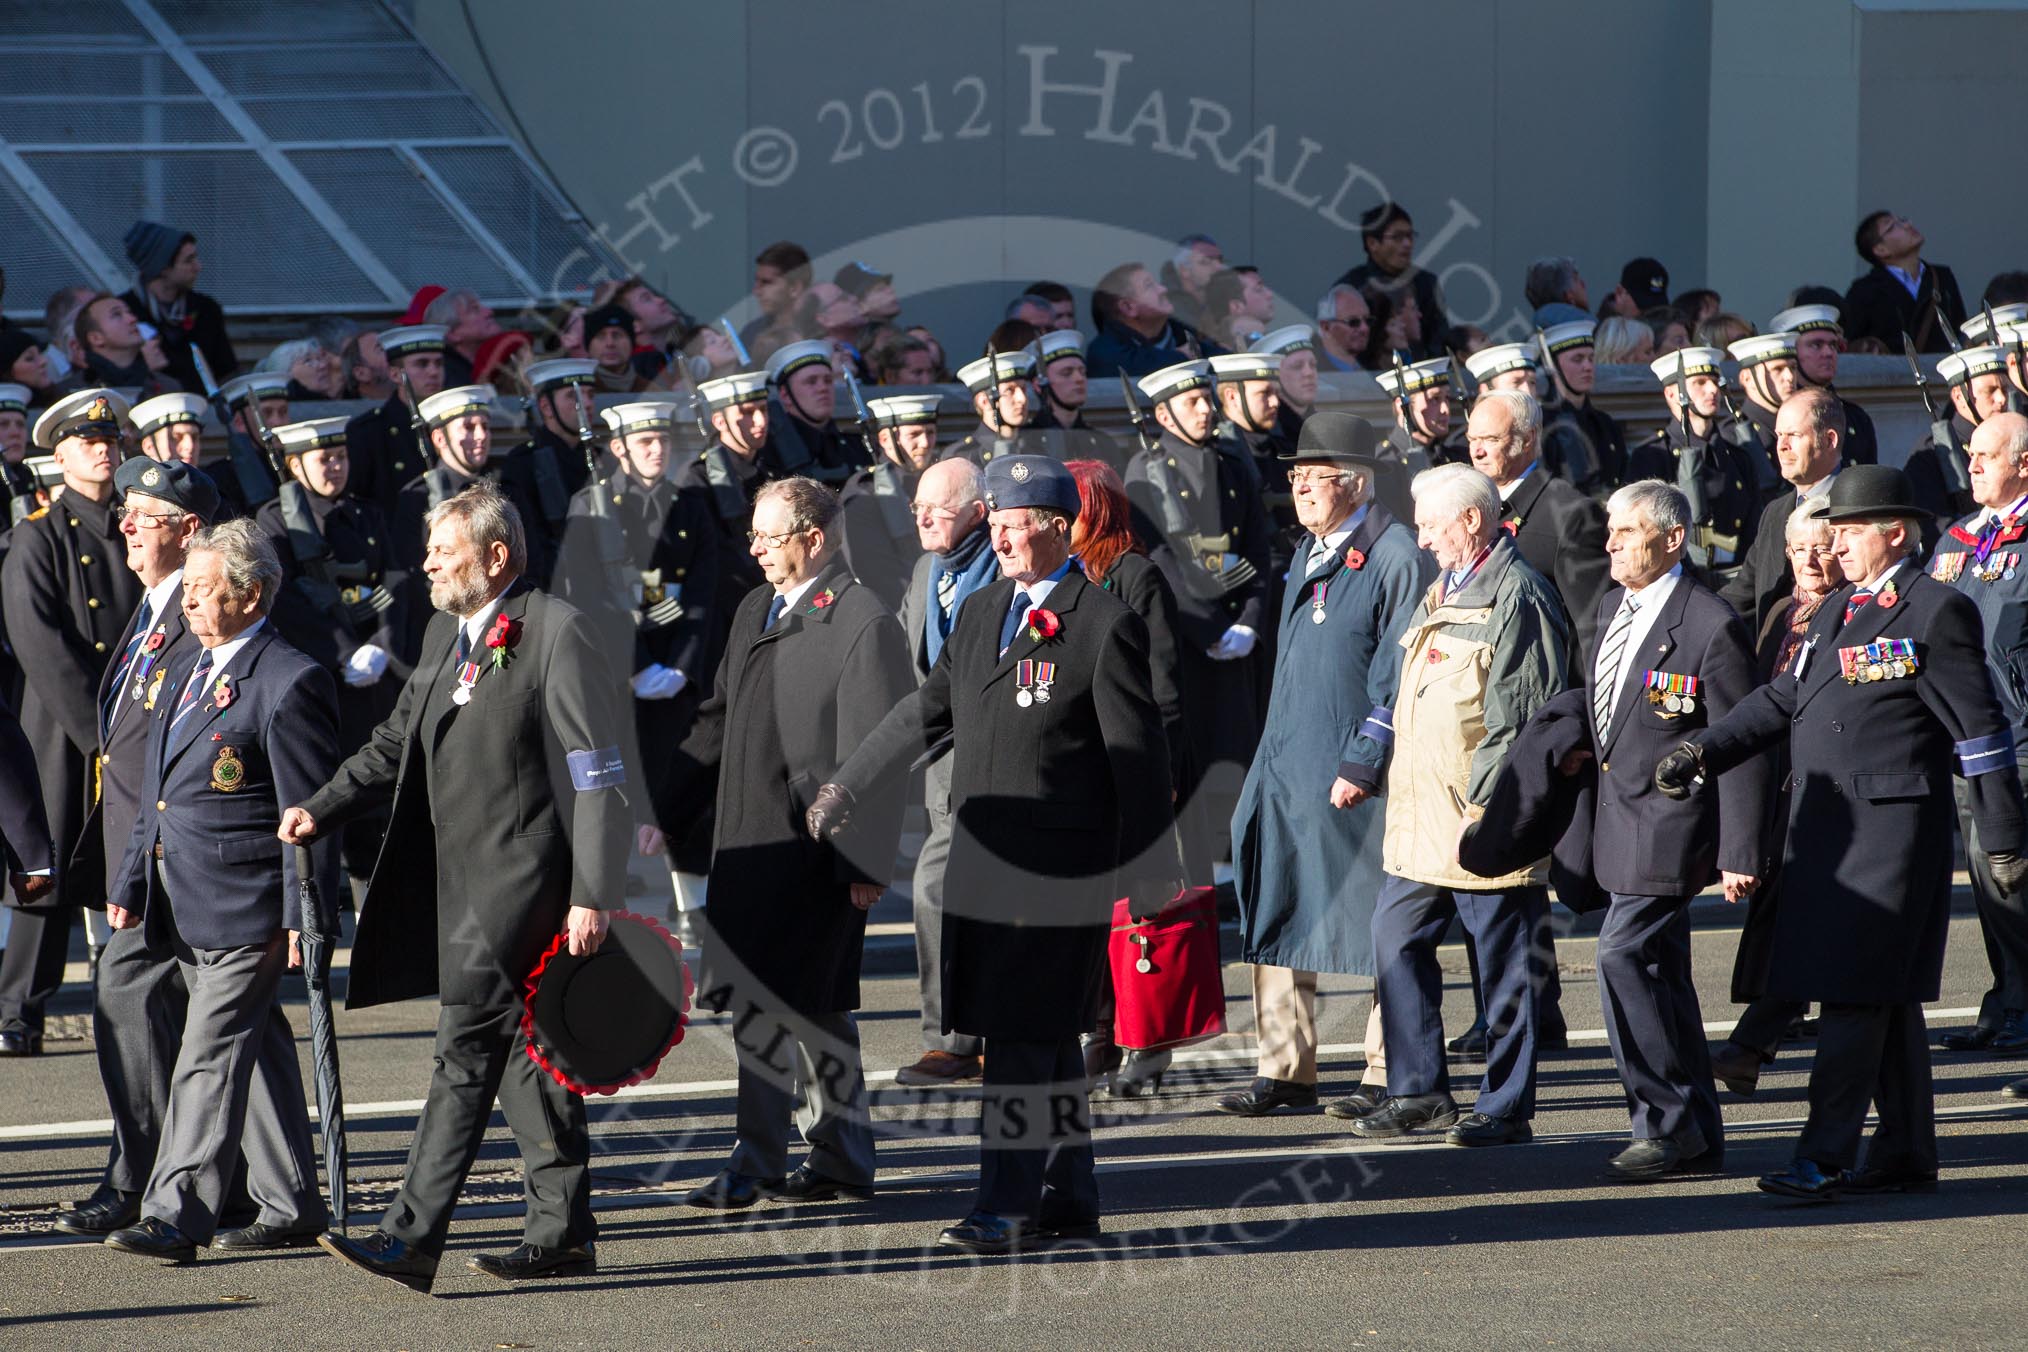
(458, 598)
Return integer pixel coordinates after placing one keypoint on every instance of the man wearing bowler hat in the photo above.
(1888, 699)
(1060, 795)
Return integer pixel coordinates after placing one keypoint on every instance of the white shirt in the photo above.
(1647, 604)
(475, 623)
(225, 651)
(1987, 515)
(158, 596)
(1879, 579)
(1038, 590)
(1507, 489)
(1332, 546)
(795, 593)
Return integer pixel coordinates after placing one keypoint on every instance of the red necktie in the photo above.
(1856, 604)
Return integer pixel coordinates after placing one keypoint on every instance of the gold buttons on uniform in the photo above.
(161, 805)
(91, 603)
(98, 647)
(85, 559)
(73, 521)
(1606, 768)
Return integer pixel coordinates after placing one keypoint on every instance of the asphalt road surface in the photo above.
(1220, 1232)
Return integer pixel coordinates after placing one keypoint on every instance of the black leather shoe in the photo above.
(1358, 1103)
(1399, 1116)
(1477, 1129)
(261, 1235)
(1067, 1229)
(1804, 1181)
(1552, 1037)
(2012, 1038)
(153, 1238)
(1469, 1045)
(2015, 1089)
(529, 1261)
(983, 1232)
(1140, 1074)
(1973, 1039)
(807, 1185)
(1644, 1161)
(384, 1256)
(1266, 1096)
(1737, 1068)
(14, 1042)
(732, 1191)
(1870, 1182)
(100, 1214)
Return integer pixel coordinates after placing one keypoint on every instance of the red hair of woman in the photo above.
(1101, 532)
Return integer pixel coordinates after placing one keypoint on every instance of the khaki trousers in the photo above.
(1285, 1021)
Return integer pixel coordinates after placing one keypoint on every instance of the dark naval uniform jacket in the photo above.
(385, 453)
(1721, 482)
(1866, 876)
(68, 596)
(881, 545)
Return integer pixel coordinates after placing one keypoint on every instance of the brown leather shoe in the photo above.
(940, 1067)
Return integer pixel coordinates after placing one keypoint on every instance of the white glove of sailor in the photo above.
(367, 664)
(1234, 643)
(656, 681)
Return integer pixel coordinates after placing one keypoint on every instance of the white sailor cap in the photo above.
(1171, 381)
(1242, 366)
(312, 434)
(1751, 352)
(1803, 318)
(14, 398)
(559, 371)
(997, 369)
(449, 405)
(1422, 375)
(904, 410)
(97, 412)
(1959, 367)
(259, 385)
(152, 414)
(1282, 341)
(641, 415)
(793, 357)
(741, 387)
(1689, 361)
(1057, 344)
(410, 339)
(1501, 358)
(2013, 335)
(1974, 328)
(1561, 338)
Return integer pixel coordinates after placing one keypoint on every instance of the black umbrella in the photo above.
(319, 939)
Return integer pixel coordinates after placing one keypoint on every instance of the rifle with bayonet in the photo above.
(549, 488)
(1146, 429)
(418, 426)
(1409, 421)
(1689, 481)
(1951, 460)
(249, 462)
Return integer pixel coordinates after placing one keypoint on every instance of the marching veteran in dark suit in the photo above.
(1305, 870)
(241, 733)
(1560, 531)
(67, 592)
(1890, 697)
(814, 662)
(1060, 789)
(1487, 646)
(1670, 658)
(509, 825)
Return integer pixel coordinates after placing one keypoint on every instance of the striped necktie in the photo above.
(1605, 675)
(192, 688)
(133, 650)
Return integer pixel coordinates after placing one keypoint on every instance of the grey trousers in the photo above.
(237, 1048)
(833, 1116)
(929, 913)
(138, 1009)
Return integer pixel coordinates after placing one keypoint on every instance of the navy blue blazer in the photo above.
(215, 788)
(25, 845)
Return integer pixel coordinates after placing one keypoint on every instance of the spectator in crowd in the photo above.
(313, 371)
(1240, 306)
(1901, 292)
(1468, 338)
(1670, 327)
(167, 297)
(563, 331)
(1619, 341)
(1396, 325)
(659, 326)
(1032, 310)
(367, 375)
(609, 341)
(1138, 332)
(1187, 274)
(1644, 285)
(468, 322)
(901, 359)
(117, 354)
(1696, 306)
(874, 293)
(1722, 330)
(940, 367)
(501, 360)
(781, 273)
(59, 321)
(1345, 328)
(22, 363)
(333, 331)
(1555, 280)
(1387, 233)
(828, 311)
(1062, 304)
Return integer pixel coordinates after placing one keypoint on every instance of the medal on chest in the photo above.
(468, 676)
(1882, 660)
(1999, 564)
(1032, 680)
(1318, 591)
(1948, 567)
(1673, 692)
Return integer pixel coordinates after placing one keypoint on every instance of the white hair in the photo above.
(251, 565)
(1805, 521)
(1521, 406)
(1452, 490)
(1663, 504)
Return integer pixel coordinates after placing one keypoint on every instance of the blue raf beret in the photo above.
(170, 481)
(1030, 481)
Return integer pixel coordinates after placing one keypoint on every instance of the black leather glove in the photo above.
(1677, 773)
(829, 811)
(1146, 901)
(2009, 871)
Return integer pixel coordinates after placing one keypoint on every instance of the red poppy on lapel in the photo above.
(823, 599)
(504, 634)
(1043, 624)
(221, 694)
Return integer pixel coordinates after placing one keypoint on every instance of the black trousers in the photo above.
(38, 942)
(481, 1056)
(1035, 1154)
(1875, 1054)
(1654, 1023)
(2003, 924)
(1765, 1022)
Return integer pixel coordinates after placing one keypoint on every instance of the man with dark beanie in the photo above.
(166, 296)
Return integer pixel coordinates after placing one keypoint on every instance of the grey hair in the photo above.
(487, 519)
(1521, 406)
(969, 484)
(444, 309)
(812, 505)
(1452, 490)
(1804, 518)
(1663, 504)
(2014, 445)
(1616, 339)
(1549, 279)
(285, 355)
(251, 565)
(1327, 308)
(1911, 525)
